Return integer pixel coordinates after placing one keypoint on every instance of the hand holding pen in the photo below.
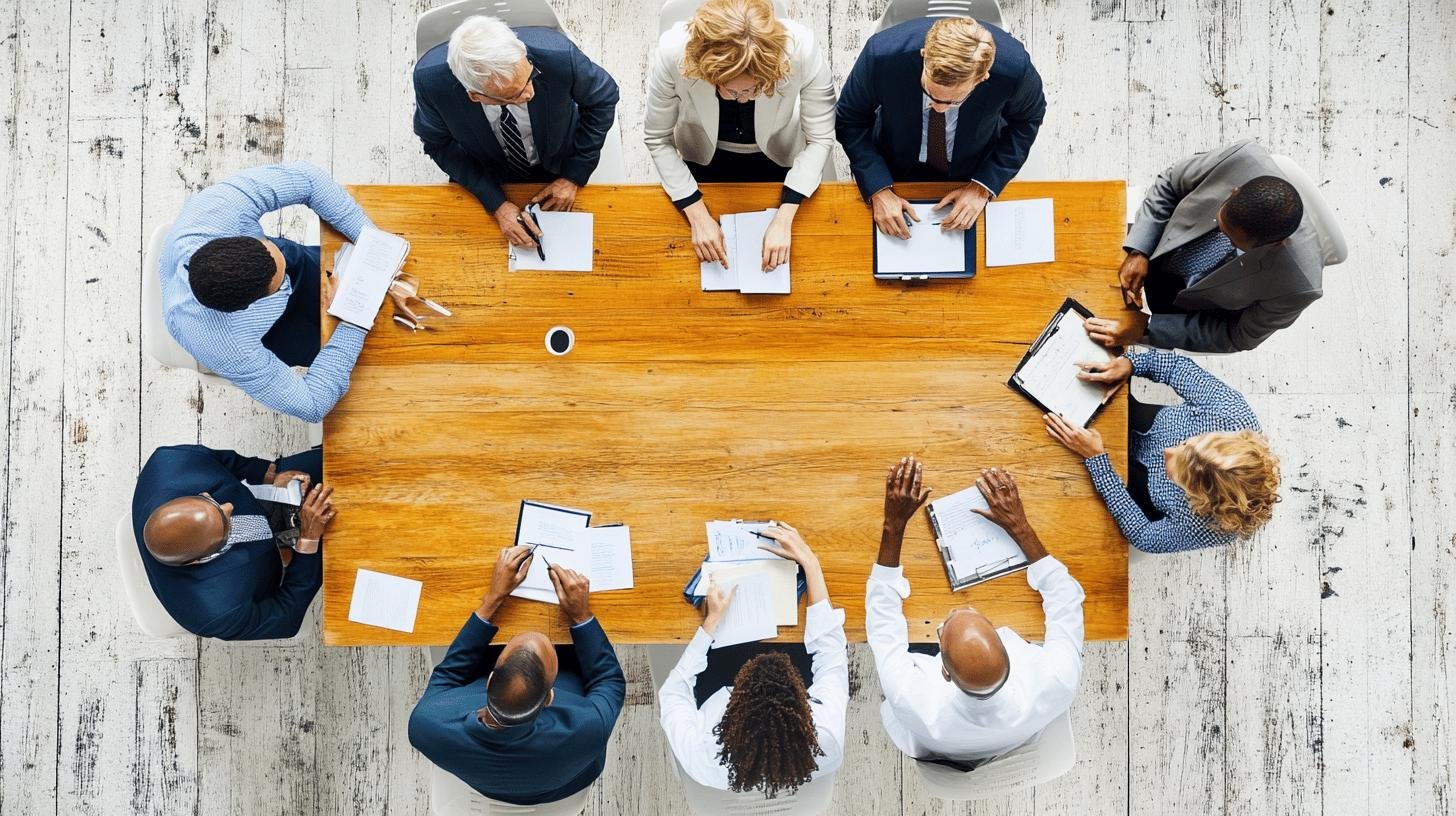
(528, 222)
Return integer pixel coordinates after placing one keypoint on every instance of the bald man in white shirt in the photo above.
(987, 691)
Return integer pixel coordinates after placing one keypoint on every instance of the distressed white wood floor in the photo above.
(1309, 672)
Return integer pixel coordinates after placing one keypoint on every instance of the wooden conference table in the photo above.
(679, 406)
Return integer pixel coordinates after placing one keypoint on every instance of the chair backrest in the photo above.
(436, 25)
(611, 167)
(156, 340)
(1048, 756)
(151, 617)
(903, 11)
(449, 796)
(1331, 238)
(678, 11)
(810, 800)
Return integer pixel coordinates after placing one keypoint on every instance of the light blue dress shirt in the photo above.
(951, 115)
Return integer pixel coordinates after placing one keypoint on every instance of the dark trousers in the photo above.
(295, 337)
(1140, 417)
(728, 167)
(724, 663)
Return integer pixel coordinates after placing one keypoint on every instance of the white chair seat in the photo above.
(151, 617)
(1045, 758)
(1333, 248)
(451, 797)
(903, 11)
(436, 25)
(156, 340)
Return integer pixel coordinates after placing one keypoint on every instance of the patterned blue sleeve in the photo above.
(309, 396)
(1162, 536)
(276, 186)
(1196, 386)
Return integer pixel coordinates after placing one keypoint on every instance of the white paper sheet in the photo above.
(743, 237)
(1050, 375)
(553, 531)
(928, 249)
(735, 541)
(750, 615)
(1020, 232)
(975, 543)
(291, 493)
(362, 275)
(610, 550)
(566, 238)
(783, 583)
(386, 601)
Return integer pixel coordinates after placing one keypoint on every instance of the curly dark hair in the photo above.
(767, 732)
(1268, 208)
(228, 274)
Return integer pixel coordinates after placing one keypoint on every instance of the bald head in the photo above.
(971, 652)
(520, 684)
(186, 529)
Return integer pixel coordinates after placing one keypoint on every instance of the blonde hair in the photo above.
(1230, 478)
(730, 38)
(958, 50)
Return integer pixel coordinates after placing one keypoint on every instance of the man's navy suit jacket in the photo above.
(571, 113)
(878, 120)
(562, 751)
(237, 596)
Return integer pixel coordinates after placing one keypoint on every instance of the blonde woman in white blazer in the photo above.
(735, 94)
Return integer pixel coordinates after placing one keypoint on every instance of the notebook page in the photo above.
(369, 267)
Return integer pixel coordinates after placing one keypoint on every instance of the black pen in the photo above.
(533, 546)
(540, 244)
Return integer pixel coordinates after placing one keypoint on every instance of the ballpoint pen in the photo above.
(540, 244)
(533, 545)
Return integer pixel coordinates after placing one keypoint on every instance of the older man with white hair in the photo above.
(496, 105)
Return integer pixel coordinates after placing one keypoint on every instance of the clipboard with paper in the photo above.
(973, 548)
(1047, 374)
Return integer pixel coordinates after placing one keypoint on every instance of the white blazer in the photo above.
(794, 127)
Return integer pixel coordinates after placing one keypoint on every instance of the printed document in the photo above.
(611, 556)
(743, 237)
(1050, 373)
(566, 239)
(291, 493)
(929, 248)
(750, 614)
(363, 273)
(553, 533)
(1020, 232)
(386, 601)
(735, 541)
(783, 583)
(973, 543)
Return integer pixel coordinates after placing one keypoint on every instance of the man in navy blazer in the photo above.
(212, 556)
(525, 723)
(496, 105)
(978, 111)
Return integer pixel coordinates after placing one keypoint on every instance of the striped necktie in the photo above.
(514, 147)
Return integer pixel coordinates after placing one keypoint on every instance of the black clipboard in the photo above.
(521, 513)
(1068, 305)
(969, 272)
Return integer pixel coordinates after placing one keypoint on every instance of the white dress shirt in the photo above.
(523, 121)
(952, 115)
(690, 729)
(928, 716)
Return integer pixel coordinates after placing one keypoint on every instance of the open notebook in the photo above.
(362, 274)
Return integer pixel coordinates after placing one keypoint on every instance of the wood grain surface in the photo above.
(679, 406)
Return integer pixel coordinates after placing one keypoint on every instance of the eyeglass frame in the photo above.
(979, 695)
(530, 80)
(227, 534)
(738, 96)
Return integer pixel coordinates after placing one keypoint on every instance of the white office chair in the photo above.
(810, 800)
(1045, 758)
(451, 797)
(678, 11)
(1135, 194)
(436, 25)
(1317, 209)
(151, 617)
(902, 11)
(156, 340)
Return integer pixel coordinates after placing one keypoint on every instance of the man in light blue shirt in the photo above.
(247, 306)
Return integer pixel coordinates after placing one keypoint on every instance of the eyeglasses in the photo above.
(506, 100)
(956, 103)
(227, 532)
(979, 695)
(739, 96)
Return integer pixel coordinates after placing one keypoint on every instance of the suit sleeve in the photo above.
(601, 674)
(1224, 332)
(595, 94)
(854, 123)
(658, 124)
(465, 661)
(279, 615)
(1024, 113)
(816, 117)
(247, 468)
(447, 153)
(1163, 195)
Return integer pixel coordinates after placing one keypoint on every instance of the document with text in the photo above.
(1020, 232)
(750, 614)
(929, 249)
(363, 272)
(386, 601)
(1049, 373)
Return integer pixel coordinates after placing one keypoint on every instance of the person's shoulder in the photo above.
(547, 42)
(433, 65)
(1012, 58)
(906, 37)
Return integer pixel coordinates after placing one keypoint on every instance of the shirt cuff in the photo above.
(791, 196)
(684, 203)
(892, 577)
(989, 192)
(586, 622)
(1043, 571)
(349, 336)
(701, 642)
(820, 619)
(1099, 465)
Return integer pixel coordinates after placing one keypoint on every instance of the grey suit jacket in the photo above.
(1237, 306)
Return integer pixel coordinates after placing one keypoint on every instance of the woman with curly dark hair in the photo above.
(746, 718)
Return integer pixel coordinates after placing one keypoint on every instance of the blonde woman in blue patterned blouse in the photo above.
(1200, 474)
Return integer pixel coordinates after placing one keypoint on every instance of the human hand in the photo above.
(778, 236)
(573, 590)
(517, 226)
(903, 493)
(1110, 372)
(1130, 277)
(1115, 332)
(1084, 442)
(1003, 500)
(715, 605)
(509, 571)
(890, 212)
(708, 240)
(316, 513)
(788, 543)
(558, 196)
(304, 480)
(965, 205)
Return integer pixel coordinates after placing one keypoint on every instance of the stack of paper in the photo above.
(363, 272)
(566, 241)
(562, 536)
(743, 236)
(767, 585)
